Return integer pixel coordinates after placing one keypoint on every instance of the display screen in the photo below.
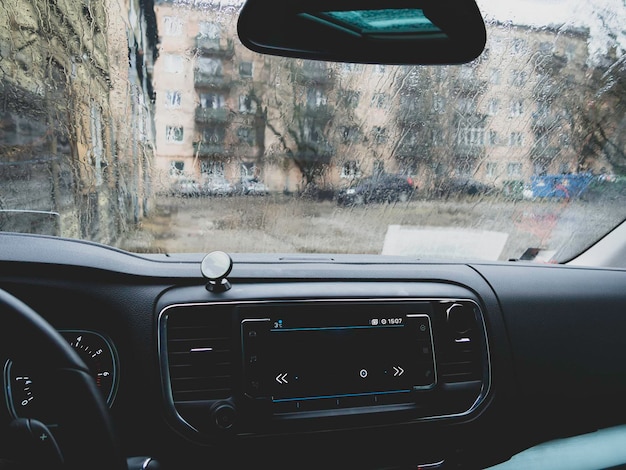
(312, 355)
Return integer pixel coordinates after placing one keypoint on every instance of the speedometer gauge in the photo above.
(98, 353)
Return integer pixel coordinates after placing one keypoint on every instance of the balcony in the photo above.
(215, 47)
(207, 149)
(315, 152)
(542, 122)
(550, 64)
(317, 115)
(314, 74)
(544, 153)
(205, 80)
(469, 86)
(212, 115)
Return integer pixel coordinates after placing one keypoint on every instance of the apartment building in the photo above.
(223, 110)
(209, 121)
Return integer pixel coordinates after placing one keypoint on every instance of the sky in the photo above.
(606, 19)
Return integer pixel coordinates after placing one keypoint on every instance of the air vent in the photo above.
(200, 353)
(459, 344)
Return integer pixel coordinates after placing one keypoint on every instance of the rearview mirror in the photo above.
(365, 31)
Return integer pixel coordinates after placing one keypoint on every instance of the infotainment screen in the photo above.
(333, 351)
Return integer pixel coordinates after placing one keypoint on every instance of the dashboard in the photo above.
(308, 361)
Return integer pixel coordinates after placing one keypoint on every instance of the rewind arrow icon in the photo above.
(282, 379)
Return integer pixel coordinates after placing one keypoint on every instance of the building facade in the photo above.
(224, 111)
(67, 95)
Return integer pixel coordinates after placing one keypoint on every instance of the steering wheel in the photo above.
(85, 430)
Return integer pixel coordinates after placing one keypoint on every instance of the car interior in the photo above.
(124, 360)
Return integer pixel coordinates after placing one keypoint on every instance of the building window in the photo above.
(519, 46)
(315, 98)
(177, 167)
(466, 105)
(212, 101)
(379, 68)
(350, 98)
(466, 73)
(491, 169)
(348, 134)
(516, 139)
(172, 99)
(546, 47)
(471, 136)
(517, 108)
(493, 138)
(379, 134)
(173, 63)
(245, 69)
(379, 100)
(541, 143)
(439, 104)
(210, 168)
(246, 104)
(514, 170)
(209, 30)
(213, 135)
(494, 76)
(246, 135)
(174, 133)
(441, 72)
(172, 26)
(436, 137)
(210, 66)
(518, 78)
(248, 170)
(350, 170)
(493, 106)
(349, 67)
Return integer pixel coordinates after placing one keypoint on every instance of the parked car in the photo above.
(559, 186)
(254, 187)
(186, 187)
(461, 186)
(217, 186)
(380, 188)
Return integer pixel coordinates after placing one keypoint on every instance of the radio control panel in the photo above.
(265, 367)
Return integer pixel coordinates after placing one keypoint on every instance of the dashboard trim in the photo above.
(164, 366)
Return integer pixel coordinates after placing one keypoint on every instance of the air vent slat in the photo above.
(459, 357)
(200, 353)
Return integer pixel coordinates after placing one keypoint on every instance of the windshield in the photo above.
(149, 127)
